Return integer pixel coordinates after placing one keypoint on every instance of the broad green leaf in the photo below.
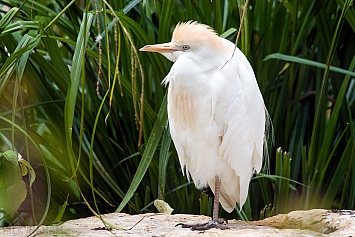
(9, 169)
(12, 187)
(12, 196)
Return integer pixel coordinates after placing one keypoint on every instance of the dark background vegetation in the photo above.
(88, 112)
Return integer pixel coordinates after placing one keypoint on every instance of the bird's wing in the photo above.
(240, 117)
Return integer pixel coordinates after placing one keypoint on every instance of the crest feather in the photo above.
(192, 31)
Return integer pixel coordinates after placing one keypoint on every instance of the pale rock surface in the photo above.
(316, 222)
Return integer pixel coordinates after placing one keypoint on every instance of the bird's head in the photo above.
(191, 39)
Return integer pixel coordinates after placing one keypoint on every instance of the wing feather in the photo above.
(240, 117)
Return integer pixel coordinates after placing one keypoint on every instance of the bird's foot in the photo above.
(219, 223)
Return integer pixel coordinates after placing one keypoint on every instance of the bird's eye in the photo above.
(185, 47)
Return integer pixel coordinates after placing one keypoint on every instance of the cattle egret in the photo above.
(216, 114)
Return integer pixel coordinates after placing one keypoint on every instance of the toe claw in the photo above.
(179, 224)
(183, 225)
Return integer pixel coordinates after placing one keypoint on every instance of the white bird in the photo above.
(216, 113)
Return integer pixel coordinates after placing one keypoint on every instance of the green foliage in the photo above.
(88, 113)
(12, 187)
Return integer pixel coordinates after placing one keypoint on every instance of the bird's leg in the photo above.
(216, 198)
(215, 222)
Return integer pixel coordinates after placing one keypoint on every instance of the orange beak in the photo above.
(160, 48)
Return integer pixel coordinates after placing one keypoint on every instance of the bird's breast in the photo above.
(182, 107)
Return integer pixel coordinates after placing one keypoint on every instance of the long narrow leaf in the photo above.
(295, 59)
(148, 154)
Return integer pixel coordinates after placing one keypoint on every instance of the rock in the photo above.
(316, 222)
